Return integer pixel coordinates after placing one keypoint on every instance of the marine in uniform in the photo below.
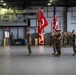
(73, 41)
(54, 44)
(58, 42)
(28, 41)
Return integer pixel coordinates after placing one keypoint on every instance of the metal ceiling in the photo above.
(26, 3)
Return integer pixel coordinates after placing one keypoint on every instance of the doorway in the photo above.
(6, 33)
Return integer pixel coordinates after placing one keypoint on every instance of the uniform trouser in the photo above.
(74, 48)
(58, 48)
(64, 42)
(29, 49)
(54, 48)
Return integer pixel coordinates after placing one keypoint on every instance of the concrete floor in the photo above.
(13, 61)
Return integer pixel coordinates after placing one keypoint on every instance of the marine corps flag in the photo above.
(42, 23)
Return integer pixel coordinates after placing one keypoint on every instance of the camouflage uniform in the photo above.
(29, 43)
(54, 44)
(58, 44)
(73, 41)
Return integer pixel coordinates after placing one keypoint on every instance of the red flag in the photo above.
(41, 38)
(41, 20)
(42, 23)
(55, 22)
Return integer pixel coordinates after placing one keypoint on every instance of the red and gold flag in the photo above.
(42, 23)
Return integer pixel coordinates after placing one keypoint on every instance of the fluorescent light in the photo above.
(1, 1)
(4, 4)
(49, 3)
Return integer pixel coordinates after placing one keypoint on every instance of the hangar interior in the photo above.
(16, 15)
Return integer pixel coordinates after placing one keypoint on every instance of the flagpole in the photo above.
(51, 27)
(53, 17)
(55, 21)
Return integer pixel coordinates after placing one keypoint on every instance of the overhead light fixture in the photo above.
(1, 1)
(49, 3)
(4, 4)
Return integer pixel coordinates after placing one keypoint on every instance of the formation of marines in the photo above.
(58, 40)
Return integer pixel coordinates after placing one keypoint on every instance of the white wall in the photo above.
(48, 13)
(1, 36)
(22, 32)
(71, 21)
(14, 31)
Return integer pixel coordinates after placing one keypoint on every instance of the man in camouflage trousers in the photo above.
(28, 42)
(73, 41)
(58, 42)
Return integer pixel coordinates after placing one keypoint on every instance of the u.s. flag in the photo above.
(55, 21)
